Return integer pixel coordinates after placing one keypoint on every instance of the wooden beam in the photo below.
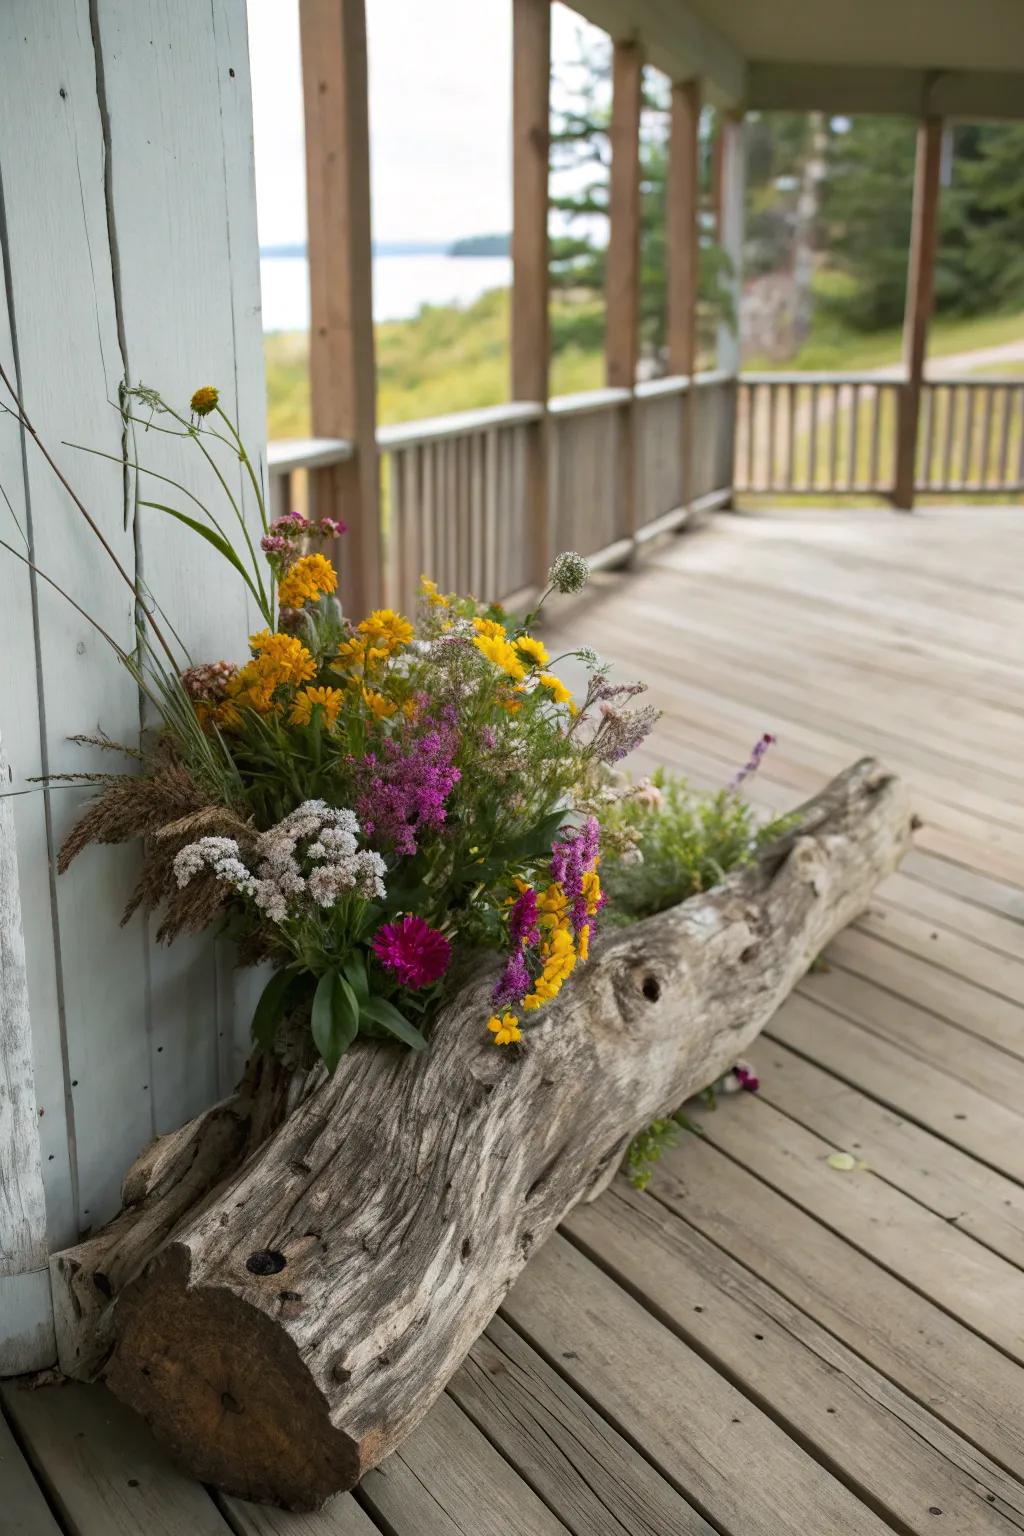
(676, 40)
(622, 298)
(920, 296)
(730, 231)
(623, 280)
(682, 216)
(341, 352)
(796, 86)
(530, 348)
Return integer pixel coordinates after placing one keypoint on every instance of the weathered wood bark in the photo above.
(299, 1321)
(160, 1187)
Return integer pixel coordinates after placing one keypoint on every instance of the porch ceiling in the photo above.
(913, 56)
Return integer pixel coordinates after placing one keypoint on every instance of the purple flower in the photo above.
(415, 952)
(514, 981)
(572, 857)
(489, 737)
(753, 762)
(403, 792)
(273, 544)
(331, 528)
(522, 923)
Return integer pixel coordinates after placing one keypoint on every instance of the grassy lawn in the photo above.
(451, 359)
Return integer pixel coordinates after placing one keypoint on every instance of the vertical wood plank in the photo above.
(622, 303)
(182, 204)
(26, 1316)
(682, 213)
(920, 296)
(90, 1019)
(730, 233)
(341, 361)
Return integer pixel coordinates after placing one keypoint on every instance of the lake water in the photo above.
(400, 285)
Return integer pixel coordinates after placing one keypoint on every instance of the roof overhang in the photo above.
(953, 58)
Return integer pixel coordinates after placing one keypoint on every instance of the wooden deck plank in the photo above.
(716, 1446)
(1005, 935)
(103, 1470)
(932, 1079)
(585, 1471)
(974, 1010)
(949, 1182)
(975, 1286)
(875, 1438)
(448, 1480)
(954, 1373)
(24, 1510)
(341, 1516)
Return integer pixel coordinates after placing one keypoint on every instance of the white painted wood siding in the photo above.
(128, 234)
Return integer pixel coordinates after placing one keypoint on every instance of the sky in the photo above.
(440, 104)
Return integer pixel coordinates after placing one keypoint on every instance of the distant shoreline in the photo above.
(477, 246)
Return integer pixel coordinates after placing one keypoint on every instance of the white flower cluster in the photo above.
(279, 882)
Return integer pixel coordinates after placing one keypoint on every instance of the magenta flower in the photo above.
(415, 952)
(571, 858)
(402, 793)
(522, 923)
(513, 982)
(332, 528)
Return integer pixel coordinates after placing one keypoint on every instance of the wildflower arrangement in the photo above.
(363, 801)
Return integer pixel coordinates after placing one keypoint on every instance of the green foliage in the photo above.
(688, 842)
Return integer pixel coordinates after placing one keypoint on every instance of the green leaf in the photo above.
(219, 543)
(355, 974)
(335, 1020)
(381, 1012)
(270, 1007)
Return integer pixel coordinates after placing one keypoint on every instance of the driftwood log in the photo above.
(283, 1317)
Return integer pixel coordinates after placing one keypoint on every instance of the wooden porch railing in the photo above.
(455, 490)
(455, 499)
(822, 434)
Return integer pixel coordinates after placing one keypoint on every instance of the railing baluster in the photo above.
(876, 426)
(950, 421)
(770, 457)
(984, 474)
(852, 479)
(790, 478)
(751, 410)
(1002, 462)
(968, 444)
(812, 462)
(930, 402)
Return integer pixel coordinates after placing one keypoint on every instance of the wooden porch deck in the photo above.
(760, 1345)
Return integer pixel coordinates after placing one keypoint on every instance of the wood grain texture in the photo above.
(140, 265)
(402, 1197)
(26, 1512)
(873, 1437)
(585, 1471)
(699, 1431)
(26, 1328)
(102, 1469)
(919, 302)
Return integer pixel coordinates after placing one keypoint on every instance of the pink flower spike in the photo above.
(415, 952)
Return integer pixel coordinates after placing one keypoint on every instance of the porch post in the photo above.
(622, 301)
(531, 74)
(918, 309)
(341, 350)
(683, 260)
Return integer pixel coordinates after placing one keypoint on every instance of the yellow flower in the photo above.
(559, 691)
(559, 956)
(204, 400)
(306, 580)
(534, 649)
(583, 943)
(491, 628)
(389, 629)
(378, 705)
(283, 655)
(252, 687)
(429, 590)
(501, 653)
(505, 1030)
(328, 698)
(592, 890)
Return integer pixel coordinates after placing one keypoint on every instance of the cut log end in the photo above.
(226, 1388)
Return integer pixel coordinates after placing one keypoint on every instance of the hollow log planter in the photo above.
(290, 1328)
